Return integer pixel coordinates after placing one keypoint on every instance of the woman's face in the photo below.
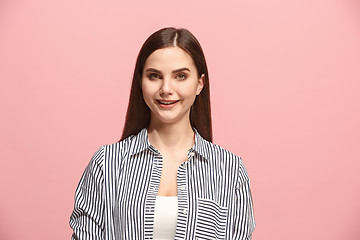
(170, 84)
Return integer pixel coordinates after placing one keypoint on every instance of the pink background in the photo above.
(285, 81)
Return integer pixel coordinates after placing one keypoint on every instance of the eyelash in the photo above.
(153, 76)
(182, 74)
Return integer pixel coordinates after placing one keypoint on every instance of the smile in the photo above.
(167, 103)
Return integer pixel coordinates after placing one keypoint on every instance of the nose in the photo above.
(166, 88)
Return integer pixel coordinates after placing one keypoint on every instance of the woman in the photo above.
(165, 179)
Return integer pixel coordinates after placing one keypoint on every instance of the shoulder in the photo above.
(122, 149)
(97, 159)
(221, 155)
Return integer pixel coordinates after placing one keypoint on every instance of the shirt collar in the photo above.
(141, 142)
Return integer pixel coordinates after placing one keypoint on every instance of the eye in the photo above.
(181, 76)
(154, 76)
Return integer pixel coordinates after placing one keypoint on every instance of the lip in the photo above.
(173, 103)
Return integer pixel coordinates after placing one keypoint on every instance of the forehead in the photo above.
(169, 58)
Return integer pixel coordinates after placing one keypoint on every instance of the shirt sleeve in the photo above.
(244, 223)
(87, 219)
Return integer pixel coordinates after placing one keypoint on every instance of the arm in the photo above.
(244, 217)
(87, 219)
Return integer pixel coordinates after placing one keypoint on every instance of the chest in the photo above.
(142, 176)
(204, 190)
(169, 170)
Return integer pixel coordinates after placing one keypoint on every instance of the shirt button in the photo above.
(192, 154)
(184, 211)
(182, 188)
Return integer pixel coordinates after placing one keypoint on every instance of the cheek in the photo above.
(146, 88)
(189, 91)
(144, 92)
(149, 92)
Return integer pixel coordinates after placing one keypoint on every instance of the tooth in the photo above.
(166, 103)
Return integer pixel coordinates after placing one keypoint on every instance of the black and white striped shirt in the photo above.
(115, 198)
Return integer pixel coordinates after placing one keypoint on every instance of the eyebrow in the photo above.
(175, 71)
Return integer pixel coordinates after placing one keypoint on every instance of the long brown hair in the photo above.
(138, 113)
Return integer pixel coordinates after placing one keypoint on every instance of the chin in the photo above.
(168, 121)
(169, 118)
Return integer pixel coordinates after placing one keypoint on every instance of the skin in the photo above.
(170, 131)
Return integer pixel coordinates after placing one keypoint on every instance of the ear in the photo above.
(201, 83)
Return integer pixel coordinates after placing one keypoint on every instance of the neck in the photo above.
(171, 137)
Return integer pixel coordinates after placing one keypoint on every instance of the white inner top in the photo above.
(165, 217)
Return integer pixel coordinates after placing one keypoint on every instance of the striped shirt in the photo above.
(115, 198)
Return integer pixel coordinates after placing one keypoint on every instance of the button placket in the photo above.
(151, 195)
(184, 211)
(182, 201)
